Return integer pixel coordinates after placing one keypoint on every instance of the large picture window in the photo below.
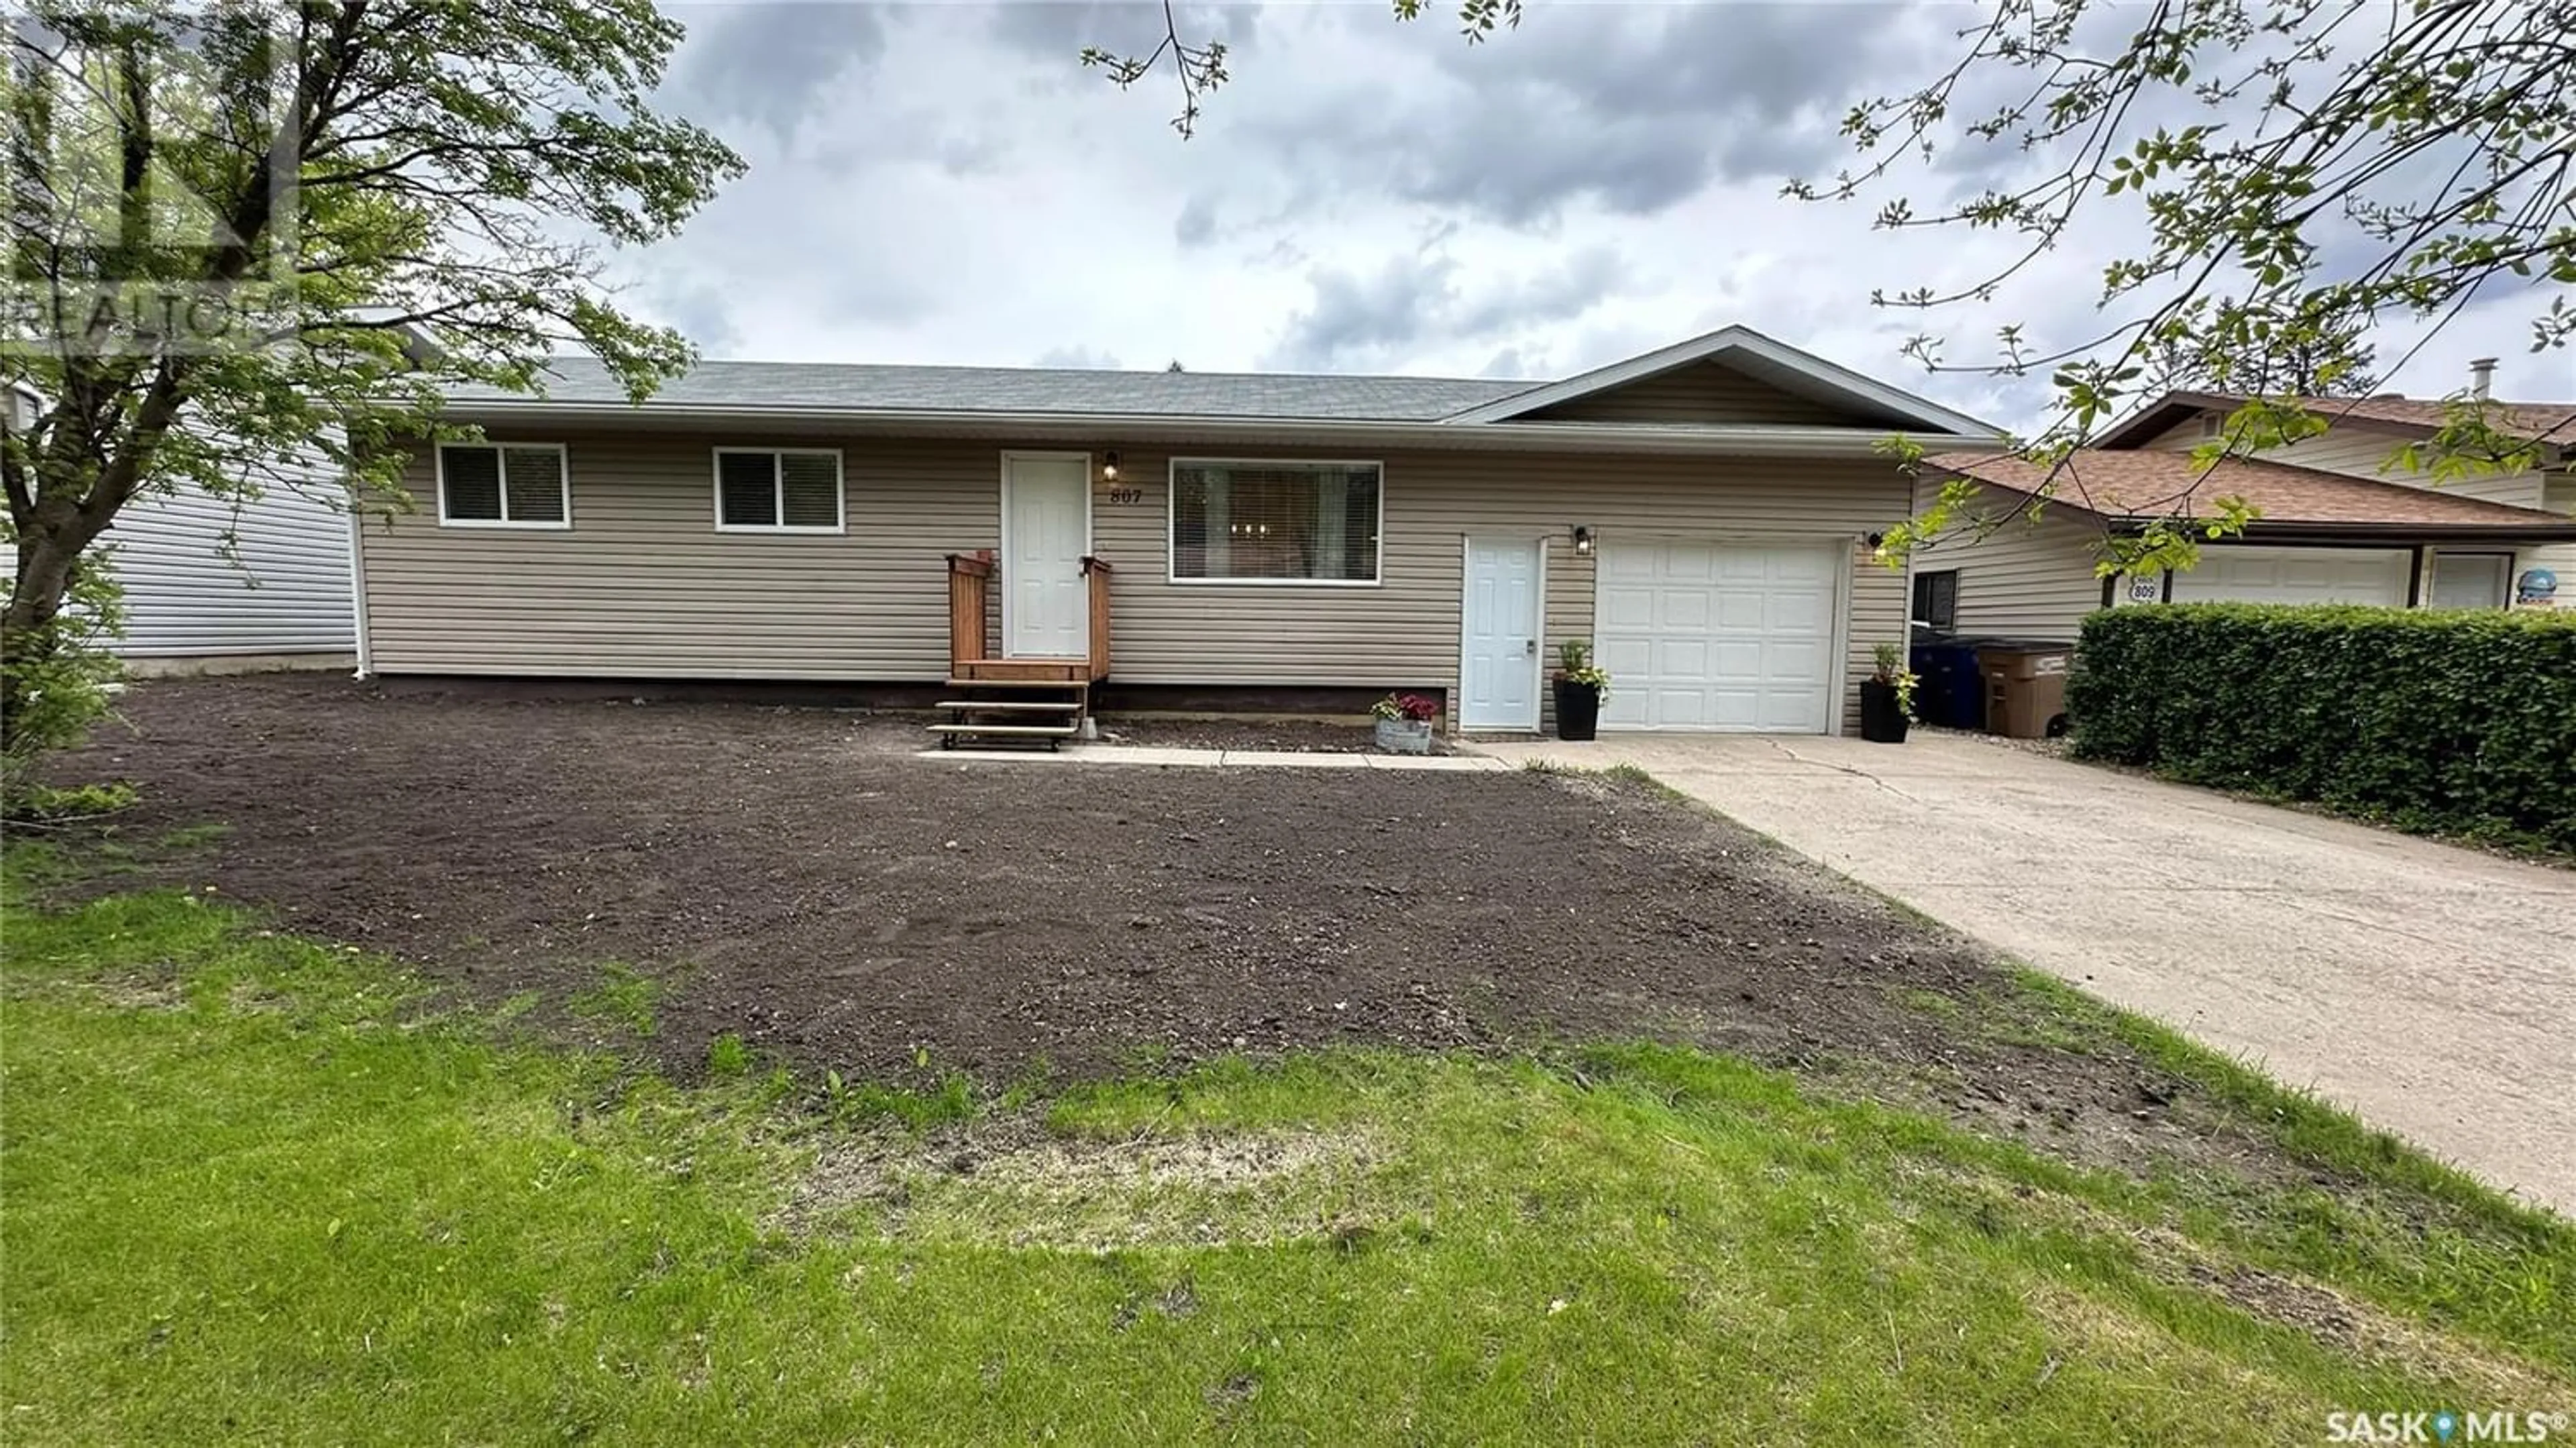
(1275, 522)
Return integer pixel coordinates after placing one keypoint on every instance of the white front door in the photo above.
(1046, 530)
(1736, 636)
(1498, 674)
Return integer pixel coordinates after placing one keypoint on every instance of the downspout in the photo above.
(358, 590)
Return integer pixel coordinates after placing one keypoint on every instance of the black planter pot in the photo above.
(1578, 710)
(1882, 719)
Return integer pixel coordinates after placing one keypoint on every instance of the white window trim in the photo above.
(563, 466)
(1172, 524)
(778, 490)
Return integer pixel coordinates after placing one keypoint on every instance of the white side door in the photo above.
(1498, 670)
(1046, 530)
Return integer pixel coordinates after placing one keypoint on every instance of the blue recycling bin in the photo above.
(1949, 691)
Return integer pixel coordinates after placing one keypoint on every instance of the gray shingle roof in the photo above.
(832, 386)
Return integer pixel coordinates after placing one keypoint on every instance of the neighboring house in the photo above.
(212, 584)
(278, 597)
(1703, 514)
(2334, 524)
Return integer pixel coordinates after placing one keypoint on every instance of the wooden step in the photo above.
(1012, 706)
(1057, 671)
(1065, 730)
(1076, 686)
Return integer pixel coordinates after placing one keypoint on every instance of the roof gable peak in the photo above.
(1762, 358)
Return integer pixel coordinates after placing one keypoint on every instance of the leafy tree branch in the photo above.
(254, 245)
(2299, 171)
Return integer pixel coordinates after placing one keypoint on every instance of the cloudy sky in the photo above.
(946, 183)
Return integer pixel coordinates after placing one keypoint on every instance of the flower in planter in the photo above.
(1411, 708)
(1574, 666)
(1892, 673)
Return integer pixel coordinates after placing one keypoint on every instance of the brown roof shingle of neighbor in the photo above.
(2554, 421)
(2145, 484)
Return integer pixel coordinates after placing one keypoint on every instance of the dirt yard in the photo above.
(801, 878)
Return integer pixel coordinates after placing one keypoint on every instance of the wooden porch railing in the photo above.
(970, 576)
(1095, 578)
(970, 592)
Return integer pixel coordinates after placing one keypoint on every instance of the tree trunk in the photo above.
(46, 561)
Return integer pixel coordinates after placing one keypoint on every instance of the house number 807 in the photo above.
(1126, 495)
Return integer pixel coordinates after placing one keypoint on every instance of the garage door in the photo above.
(2294, 575)
(1717, 636)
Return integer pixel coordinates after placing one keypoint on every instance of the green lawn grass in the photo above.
(254, 1188)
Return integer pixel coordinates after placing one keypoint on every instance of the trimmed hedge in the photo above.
(2462, 722)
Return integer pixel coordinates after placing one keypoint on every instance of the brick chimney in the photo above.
(2481, 377)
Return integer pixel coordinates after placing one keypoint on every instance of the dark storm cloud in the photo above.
(771, 64)
(1389, 309)
(1631, 108)
(1357, 320)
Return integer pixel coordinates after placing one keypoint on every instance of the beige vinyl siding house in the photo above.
(2366, 446)
(2365, 452)
(629, 576)
(2317, 536)
(643, 586)
(2024, 579)
(1695, 394)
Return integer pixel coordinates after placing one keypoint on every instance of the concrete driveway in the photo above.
(2430, 989)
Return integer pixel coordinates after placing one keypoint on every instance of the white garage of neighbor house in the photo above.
(1704, 515)
(2316, 537)
(222, 584)
(214, 585)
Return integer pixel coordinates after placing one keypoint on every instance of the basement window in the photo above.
(1313, 523)
(778, 490)
(1936, 599)
(504, 485)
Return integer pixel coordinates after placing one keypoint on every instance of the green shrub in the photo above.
(2463, 722)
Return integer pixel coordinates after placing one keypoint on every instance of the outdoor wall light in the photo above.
(1582, 542)
(1109, 468)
